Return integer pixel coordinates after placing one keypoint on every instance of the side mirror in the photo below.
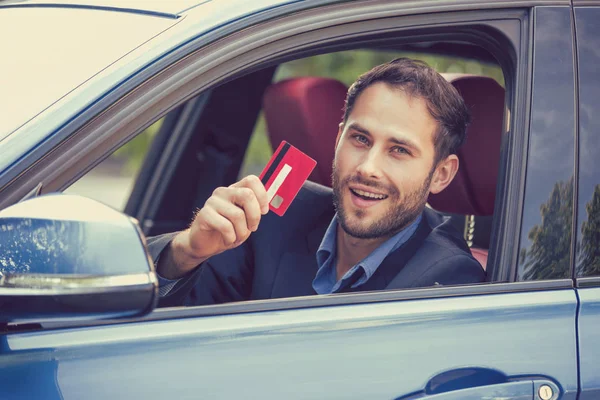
(66, 256)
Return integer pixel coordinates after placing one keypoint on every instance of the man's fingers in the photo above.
(245, 199)
(234, 214)
(227, 218)
(253, 182)
(213, 220)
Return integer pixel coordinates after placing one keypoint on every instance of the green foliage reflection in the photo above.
(589, 254)
(134, 151)
(548, 257)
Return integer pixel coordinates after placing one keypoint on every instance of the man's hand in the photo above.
(227, 219)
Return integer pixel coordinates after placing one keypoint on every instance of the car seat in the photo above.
(306, 112)
(473, 191)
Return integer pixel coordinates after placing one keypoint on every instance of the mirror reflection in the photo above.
(64, 234)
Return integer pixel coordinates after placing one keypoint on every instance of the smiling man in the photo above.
(397, 143)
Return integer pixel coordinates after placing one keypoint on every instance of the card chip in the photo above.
(277, 200)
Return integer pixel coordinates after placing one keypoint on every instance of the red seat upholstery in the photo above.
(480, 255)
(473, 190)
(307, 111)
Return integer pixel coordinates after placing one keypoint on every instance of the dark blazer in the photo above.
(279, 259)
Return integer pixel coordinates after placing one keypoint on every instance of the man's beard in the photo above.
(397, 217)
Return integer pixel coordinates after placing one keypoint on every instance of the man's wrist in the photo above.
(178, 260)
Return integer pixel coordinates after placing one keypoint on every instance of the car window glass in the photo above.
(588, 215)
(545, 248)
(111, 181)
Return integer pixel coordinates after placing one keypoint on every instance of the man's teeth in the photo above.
(369, 195)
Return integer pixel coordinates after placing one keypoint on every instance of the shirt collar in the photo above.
(369, 264)
(328, 244)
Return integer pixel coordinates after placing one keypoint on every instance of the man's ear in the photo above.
(339, 135)
(444, 173)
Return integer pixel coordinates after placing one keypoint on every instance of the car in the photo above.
(81, 79)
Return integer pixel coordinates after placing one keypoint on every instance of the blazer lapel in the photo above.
(298, 266)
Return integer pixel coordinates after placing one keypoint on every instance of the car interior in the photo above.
(208, 141)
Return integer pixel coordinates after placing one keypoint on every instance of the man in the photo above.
(402, 126)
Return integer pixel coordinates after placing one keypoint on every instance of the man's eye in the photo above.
(361, 139)
(400, 150)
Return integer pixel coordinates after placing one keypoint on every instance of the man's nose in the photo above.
(369, 165)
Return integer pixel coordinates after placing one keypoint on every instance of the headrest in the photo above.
(306, 112)
(473, 190)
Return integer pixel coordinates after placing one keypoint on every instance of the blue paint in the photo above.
(589, 343)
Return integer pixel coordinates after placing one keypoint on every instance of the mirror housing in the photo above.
(69, 257)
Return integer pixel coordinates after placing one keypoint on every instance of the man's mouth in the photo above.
(365, 195)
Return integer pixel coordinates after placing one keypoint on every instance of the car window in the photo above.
(545, 248)
(588, 215)
(111, 181)
(211, 150)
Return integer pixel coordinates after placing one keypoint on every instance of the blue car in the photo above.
(80, 314)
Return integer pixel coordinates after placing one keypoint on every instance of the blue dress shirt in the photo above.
(326, 282)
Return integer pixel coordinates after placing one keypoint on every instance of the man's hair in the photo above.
(416, 78)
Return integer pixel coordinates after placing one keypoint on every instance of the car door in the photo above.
(587, 268)
(513, 339)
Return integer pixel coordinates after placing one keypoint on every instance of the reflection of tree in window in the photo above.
(589, 255)
(548, 256)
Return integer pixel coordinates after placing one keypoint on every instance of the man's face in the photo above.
(383, 163)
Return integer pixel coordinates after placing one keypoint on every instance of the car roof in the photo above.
(171, 8)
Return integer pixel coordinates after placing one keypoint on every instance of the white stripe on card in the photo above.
(285, 171)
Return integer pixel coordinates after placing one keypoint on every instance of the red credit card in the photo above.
(284, 175)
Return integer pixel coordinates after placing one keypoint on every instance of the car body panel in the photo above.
(383, 350)
(589, 342)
